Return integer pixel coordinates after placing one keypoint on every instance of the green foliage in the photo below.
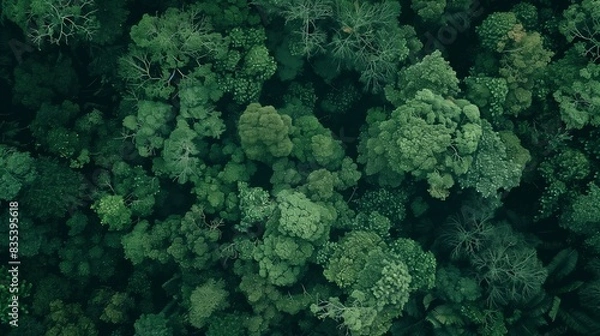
(113, 212)
(511, 273)
(41, 81)
(55, 190)
(205, 300)
(180, 155)
(246, 65)
(583, 216)
(577, 94)
(369, 40)
(430, 137)
(497, 164)
(581, 22)
(390, 203)
(568, 167)
(149, 126)
(55, 22)
(264, 133)
(452, 285)
(17, 169)
(255, 205)
(489, 94)
(152, 325)
(186, 240)
(420, 264)
(428, 10)
(68, 319)
(432, 73)
(494, 30)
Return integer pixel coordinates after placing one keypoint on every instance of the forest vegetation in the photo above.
(300, 167)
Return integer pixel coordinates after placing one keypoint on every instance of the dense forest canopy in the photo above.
(300, 167)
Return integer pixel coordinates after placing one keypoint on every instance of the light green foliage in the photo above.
(68, 319)
(179, 158)
(433, 72)
(152, 325)
(301, 218)
(16, 169)
(304, 17)
(113, 212)
(149, 126)
(430, 137)
(350, 256)
(55, 190)
(355, 317)
(205, 300)
(394, 285)
(315, 145)
(320, 185)
(371, 222)
(524, 59)
(282, 259)
(196, 103)
(429, 10)
(581, 23)
(163, 46)
(497, 164)
(377, 278)
(176, 37)
(264, 133)
(296, 227)
(136, 186)
(56, 22)
(37, 82)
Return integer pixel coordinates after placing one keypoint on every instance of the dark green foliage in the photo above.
(152, 325)
(55, 190)
(169, 184)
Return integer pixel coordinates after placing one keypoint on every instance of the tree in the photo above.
(149, 126)
(55, 190)
(264, 133)
(429, 137)
(152, 325)
(16, 169)
(54, 21)
(113, 212)
(497, 164)
(581, 23)
(205, 300)
(432, 73)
